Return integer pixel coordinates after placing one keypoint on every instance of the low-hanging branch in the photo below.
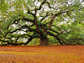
(29, 20)
(61, 32)
(55, 31)
(8, 42)
(29, 40)
(24, 26)
(21, 36)
(56, 36)
(4, 40)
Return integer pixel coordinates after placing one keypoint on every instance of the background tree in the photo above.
(30, 19)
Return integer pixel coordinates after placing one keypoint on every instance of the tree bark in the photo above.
(43, 41)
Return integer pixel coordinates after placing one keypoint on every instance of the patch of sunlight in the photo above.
(29, 53)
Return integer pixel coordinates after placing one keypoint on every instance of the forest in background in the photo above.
(41, 22)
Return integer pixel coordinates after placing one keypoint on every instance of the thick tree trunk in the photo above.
(43, 41)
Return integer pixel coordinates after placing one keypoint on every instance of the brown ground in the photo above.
(42, 54)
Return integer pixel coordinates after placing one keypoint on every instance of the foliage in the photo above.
(51, 22)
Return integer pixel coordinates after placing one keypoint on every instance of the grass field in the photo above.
(42, 54)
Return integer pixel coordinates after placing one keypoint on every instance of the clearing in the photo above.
(42, 54)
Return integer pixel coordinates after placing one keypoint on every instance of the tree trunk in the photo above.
(43, 41)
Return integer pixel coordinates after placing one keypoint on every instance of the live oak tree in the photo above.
(31, 19)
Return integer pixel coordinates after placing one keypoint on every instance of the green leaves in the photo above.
(67, 24)
(4, 6)
(51, 1)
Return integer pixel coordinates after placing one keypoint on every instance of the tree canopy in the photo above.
(47, 21)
